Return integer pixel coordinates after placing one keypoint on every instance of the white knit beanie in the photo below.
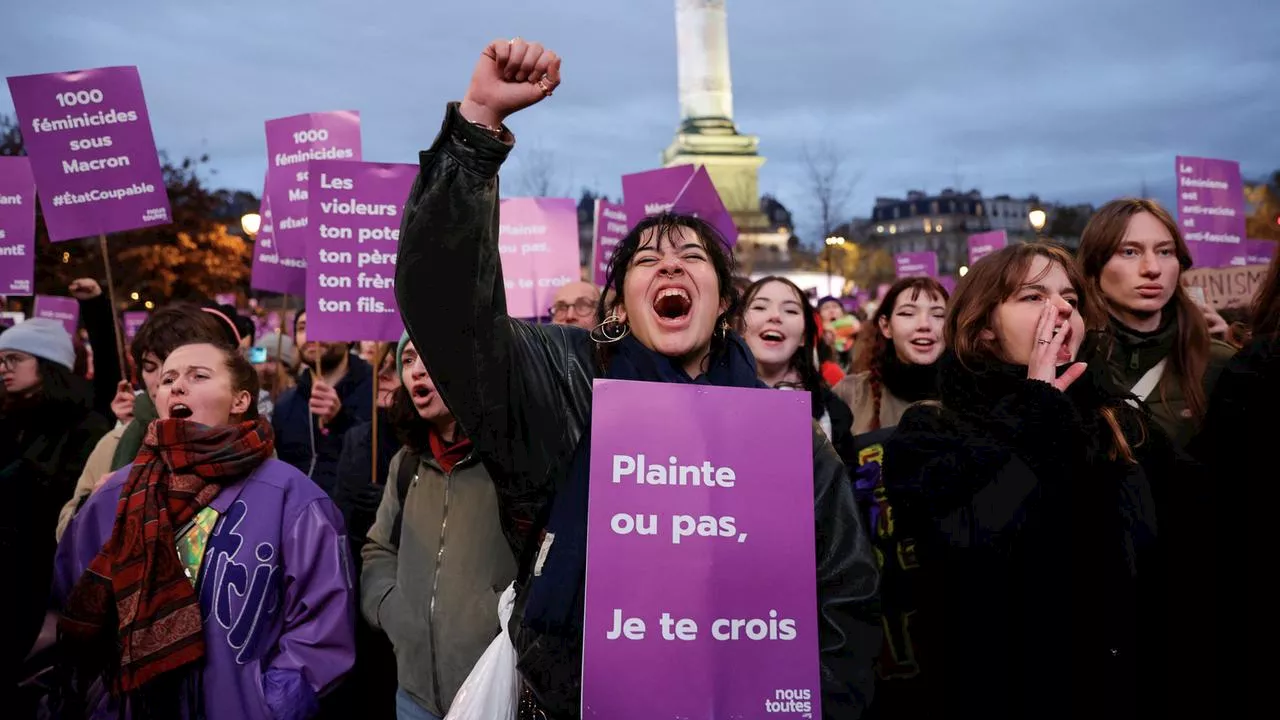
(43, 337)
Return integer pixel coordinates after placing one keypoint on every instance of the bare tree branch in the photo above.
(537, 174)
(831, 183)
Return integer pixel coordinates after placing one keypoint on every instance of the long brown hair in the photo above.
(874, 348)
(993, 280)
(804, 359)
(1266, 304)
(1190, 355)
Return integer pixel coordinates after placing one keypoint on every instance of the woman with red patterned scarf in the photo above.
(253, 615)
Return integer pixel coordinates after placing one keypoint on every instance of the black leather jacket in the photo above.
(522, 393)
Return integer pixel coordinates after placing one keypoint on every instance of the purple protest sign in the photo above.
(538, 244)
(1211, 210)
(701, 598)
(89, 139)
(683, 189)
(916, 264)
(354, 228)
(948, 283)
(133, 320)
(271, 272)
(292, 142)
(17, 227)
(610, 227)
(1260, 252)
(653, 192)
(983, 244)
(63, 309)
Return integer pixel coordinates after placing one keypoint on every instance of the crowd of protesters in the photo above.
(1019, 506)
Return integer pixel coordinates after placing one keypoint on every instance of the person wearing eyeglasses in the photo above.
(575, 304)
(47, 429)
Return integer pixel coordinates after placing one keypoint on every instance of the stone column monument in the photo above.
(707, 134)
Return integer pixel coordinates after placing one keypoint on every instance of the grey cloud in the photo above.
(1072, 99)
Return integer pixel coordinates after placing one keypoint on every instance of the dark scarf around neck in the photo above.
(909, 382)
(556, 596)
(134, 610)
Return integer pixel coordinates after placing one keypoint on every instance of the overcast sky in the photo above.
(1076, 100)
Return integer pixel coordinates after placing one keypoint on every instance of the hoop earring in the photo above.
(607, 332)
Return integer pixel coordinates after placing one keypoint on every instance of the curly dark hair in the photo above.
(656, 229)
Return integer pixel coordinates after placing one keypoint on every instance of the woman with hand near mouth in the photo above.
(1027, 490)
(781, 329)
(896, 364)
(522, 393)
(1133, 253)
(252, 616)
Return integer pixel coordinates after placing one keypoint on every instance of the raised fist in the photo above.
(510, 76)
(85, 289)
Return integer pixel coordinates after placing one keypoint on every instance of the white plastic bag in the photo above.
(491, 691)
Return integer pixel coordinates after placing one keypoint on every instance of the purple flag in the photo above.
(701, 598)
(133, 320)
(355, 210)
(538, 243)
(1260, 252)
(683, 189)
(916, 264)
(89, 139)
(17, 227)
(271, 272)
(610, 227)
(291, 143)
(63, 309)
(983, 244)
(1211, 210)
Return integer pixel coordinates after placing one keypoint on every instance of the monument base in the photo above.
(733, 163)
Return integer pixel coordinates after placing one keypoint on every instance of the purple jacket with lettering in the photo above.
(275, 588)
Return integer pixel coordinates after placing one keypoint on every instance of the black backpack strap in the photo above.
(404, 477)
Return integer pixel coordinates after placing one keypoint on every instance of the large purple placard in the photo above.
(538, 244)
(271, 272)
(92, 152)
(1211, 210)
(916, 264)
(983, 244)
(701, 593)
(1260, 252)
(133, 320)
(610, 228)
(63, 309)
(682, 189)
(351, 252)
(292, 142)
(17, 227)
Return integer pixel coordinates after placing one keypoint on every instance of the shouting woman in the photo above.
(1028, 491)
(522, 392)
(207, 579)
(781, 329)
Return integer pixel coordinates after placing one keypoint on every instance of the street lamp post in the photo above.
(832, 242)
